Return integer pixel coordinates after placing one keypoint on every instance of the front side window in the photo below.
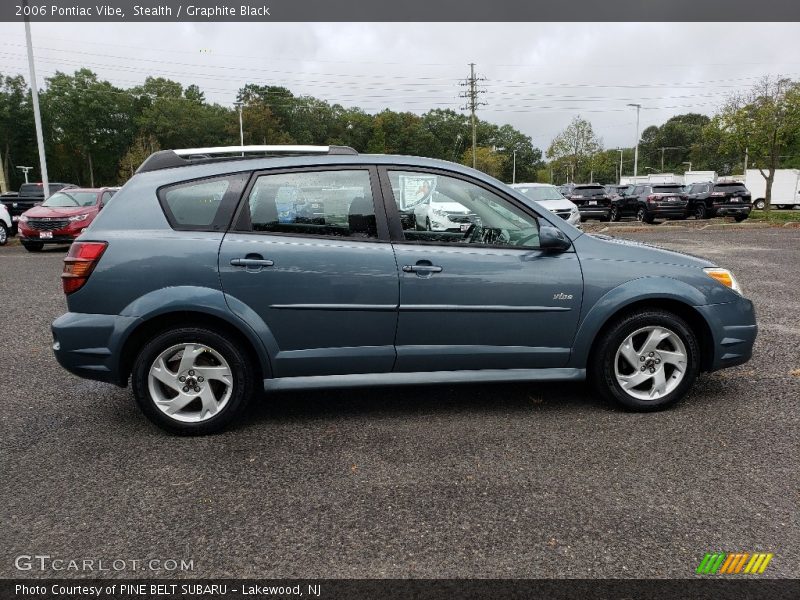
(445, 210)
(326, 203)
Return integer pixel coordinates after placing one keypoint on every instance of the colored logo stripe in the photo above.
(733, 563)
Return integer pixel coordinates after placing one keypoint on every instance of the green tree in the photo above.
(486, 159)
(765, 122)
(574, 147)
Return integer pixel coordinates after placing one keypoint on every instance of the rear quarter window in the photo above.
(202, 205)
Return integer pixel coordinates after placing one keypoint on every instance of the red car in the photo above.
(62, 217)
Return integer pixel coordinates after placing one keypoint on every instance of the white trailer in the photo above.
(690, 177)
(651, 178)
(785, 187)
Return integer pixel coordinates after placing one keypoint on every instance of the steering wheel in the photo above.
(470, 234)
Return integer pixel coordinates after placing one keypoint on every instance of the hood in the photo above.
(559, 204)
(46, 211)
(613, 248)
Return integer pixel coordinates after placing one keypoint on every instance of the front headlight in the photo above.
(23, 219)
(725, 277)
(79, 217)
(439, 212)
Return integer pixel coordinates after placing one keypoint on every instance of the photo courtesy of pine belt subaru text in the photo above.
(216, 274)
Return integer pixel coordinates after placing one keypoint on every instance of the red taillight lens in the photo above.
(79, 264)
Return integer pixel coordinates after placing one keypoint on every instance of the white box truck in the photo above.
(785, 187)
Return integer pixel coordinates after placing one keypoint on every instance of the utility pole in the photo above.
(662, 153)
(746, 156)
(241, 129)
(636, 151)
(514, 168)
(471, 96)
(37, 117)
(620, 166)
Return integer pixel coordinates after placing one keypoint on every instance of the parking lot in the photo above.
(522, 481)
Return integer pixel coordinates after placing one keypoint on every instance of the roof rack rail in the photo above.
(167, 159)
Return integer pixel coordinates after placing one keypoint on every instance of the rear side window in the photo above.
(334, 203)
(203, 205)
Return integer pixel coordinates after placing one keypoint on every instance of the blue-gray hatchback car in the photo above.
(217, 272)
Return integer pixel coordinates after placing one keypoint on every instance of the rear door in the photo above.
(309, 256)
(484, 297)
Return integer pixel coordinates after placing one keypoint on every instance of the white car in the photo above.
(5, 225)
(549, 197)
(440, 213)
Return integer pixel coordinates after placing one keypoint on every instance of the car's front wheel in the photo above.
(192, 381)
(3, 234)
(614, 214)
(643, 216)
(646, 361)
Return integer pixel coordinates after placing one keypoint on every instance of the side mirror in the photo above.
(553, 239)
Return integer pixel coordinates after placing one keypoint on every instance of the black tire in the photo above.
(241, 366)
(33, 246)
(700, 212)
(3, 234)
(643, 216)
(759, 204)
(739, 218)
(602, 366)
(614, 215)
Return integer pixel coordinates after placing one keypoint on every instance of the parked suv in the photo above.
(592, 200)
(195, 285)
(550, 198)
(709, 199)
(660, 201)
(625, 203)
(62, 217)
(29, 195)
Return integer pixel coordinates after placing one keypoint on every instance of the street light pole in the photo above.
(636, 151)
(241, 129)
(25, 171)
(37, 117)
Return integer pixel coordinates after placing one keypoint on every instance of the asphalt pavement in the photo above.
(517, 481)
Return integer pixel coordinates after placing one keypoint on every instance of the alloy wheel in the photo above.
(650, 363)
(190, 382)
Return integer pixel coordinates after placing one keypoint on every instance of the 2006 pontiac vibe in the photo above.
(218, 272)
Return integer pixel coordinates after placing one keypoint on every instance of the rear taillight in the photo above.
(79, 264)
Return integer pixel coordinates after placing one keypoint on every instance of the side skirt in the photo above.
(424, 378)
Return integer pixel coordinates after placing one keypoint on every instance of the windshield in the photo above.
(539, 193)
(71, 199)
(589, 191)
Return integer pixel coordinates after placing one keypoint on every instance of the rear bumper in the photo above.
(60, 239)
(732, 209)
(589, 212)
(667, 211)
(89, 345)
(733, 330)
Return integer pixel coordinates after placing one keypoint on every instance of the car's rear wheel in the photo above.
(33, 246)
(643, 216)
(646, 361)
(3, 234)
(192, 381)
(700, 212)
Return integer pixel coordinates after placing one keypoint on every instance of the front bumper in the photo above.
(733, 331)
(89, 345)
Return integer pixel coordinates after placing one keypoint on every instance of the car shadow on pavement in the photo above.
(412, 400)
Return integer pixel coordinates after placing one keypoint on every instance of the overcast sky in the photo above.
(538, 75)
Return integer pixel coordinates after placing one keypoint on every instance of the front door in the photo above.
(477, 292)
(308, 264)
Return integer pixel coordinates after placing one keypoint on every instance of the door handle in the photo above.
(423, 268)
(251, 262)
